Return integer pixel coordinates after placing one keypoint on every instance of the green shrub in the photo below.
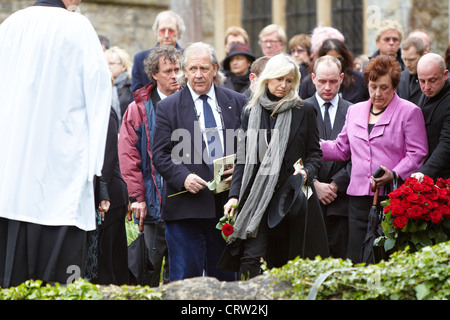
(405, 276)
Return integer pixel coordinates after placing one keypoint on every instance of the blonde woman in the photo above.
(120, 66)
(280, 129)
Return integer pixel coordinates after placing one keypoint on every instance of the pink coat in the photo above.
(398, 141)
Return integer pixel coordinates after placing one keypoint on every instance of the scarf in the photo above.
(249, 217)
(50, 3)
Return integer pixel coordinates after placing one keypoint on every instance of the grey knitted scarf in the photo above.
(249, 217)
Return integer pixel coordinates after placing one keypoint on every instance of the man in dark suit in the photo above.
(409, 88)
(183, 156)
(435, 105)
(168, 28)
(332, 178)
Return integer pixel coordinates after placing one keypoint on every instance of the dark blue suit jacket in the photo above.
(178, 112)
(139, 78)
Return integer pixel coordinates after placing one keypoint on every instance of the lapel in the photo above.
(339, 120)
(361, 120)
(297, 118)
(228, 111)
(386, 117)
(189, 119)
(320, 124)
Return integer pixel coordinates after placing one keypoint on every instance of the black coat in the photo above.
(409, 87)
(236, 83)
(436, 112)
(303, 143)
(337, 171)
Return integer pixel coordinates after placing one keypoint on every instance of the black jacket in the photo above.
(409, 87)
(337, 171)
(436, 112)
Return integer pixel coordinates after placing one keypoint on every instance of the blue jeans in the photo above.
(195, 246)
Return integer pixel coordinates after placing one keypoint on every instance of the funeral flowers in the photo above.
(416, 215)
(225, 224)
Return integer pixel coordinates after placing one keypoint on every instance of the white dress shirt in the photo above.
(333, 108)
(215, 108)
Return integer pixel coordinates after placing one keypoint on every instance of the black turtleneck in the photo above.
(50, 3)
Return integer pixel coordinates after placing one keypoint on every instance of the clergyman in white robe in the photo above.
(55, 100)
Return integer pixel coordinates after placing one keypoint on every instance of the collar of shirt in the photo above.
(161, 95)
(214, 106)
(333, 108)
(199, 107)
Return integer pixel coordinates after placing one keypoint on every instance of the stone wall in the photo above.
(128, 24)
(432, 15)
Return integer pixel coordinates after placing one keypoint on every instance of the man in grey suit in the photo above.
(333, 177)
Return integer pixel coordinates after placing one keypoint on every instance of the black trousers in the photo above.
(358, 218)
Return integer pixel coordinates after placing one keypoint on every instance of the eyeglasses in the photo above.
(389, 39)
(166, 31)
(271, 42)
(297, 51)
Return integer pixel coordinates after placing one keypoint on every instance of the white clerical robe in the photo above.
(55, 100)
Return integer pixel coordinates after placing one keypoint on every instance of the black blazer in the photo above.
(436, 112)
(407, 91)
(337, 171)
(178, 112)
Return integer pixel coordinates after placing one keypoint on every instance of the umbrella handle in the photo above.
(376, 191)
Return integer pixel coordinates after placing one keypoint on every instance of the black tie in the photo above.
(327, 120)
(211, 130)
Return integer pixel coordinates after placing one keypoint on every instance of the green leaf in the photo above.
(422, 291)
(446, 223)
(389, 244)
(441, 237)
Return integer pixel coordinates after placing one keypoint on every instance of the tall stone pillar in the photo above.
(191, 12)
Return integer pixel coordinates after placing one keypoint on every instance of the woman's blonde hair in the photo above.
(278, 66)
(124, 58)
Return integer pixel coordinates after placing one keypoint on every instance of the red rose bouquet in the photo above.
(225, 225)
(417, 214)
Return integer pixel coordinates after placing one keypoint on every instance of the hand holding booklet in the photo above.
(220, 182)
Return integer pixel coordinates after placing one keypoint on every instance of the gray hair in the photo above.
(194, 49)
(151, 62)
(180, 23)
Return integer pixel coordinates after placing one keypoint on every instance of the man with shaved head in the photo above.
(435, 104)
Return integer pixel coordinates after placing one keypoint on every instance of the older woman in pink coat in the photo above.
(384, 131)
